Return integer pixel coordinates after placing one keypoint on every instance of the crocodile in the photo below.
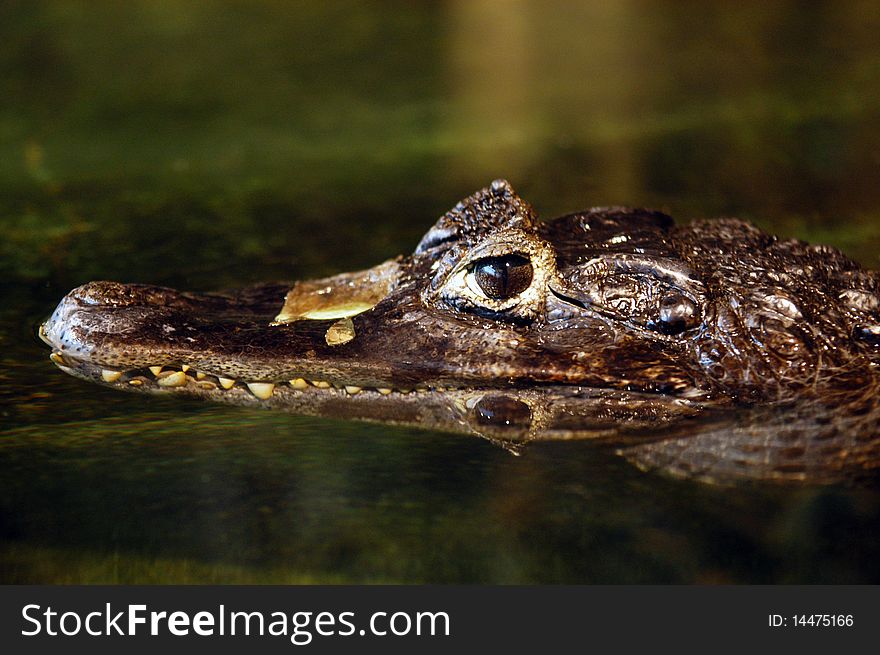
(711, 349)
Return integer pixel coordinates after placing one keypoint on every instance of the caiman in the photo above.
(711, 350)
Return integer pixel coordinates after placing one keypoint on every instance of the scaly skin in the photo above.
(611, 323)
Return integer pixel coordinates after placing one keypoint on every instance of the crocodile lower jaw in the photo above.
(186, 378)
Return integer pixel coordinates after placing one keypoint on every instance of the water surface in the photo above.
(211, 145)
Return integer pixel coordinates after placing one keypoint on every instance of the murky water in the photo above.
(209, 145)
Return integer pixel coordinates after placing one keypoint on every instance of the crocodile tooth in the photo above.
(384, 390)
(57, 358)
(299, 383)
(184, 367)
(155, 370)
(200, 375)
(351, 389)
(226, 383)
(262, 390)
(110, 376)
(206, 384)
(321, 384)
(136, 382)
(176, 379)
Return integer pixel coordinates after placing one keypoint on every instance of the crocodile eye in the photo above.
(502, 277)
(677, 314)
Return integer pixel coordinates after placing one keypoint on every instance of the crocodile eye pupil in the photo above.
(677, 314)
(503, 277)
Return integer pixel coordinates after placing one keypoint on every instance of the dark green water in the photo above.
(206, 145)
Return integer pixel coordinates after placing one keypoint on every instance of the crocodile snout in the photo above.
(98, 312)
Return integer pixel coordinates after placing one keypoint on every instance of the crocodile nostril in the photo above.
(108, 294)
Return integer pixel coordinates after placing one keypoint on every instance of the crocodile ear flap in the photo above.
(495, 207)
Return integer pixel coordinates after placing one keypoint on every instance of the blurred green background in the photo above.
(213, 144)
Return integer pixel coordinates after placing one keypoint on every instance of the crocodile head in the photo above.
(612, 298)
(711, 350)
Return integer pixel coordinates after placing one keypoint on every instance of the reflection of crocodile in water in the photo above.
(710, 350)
